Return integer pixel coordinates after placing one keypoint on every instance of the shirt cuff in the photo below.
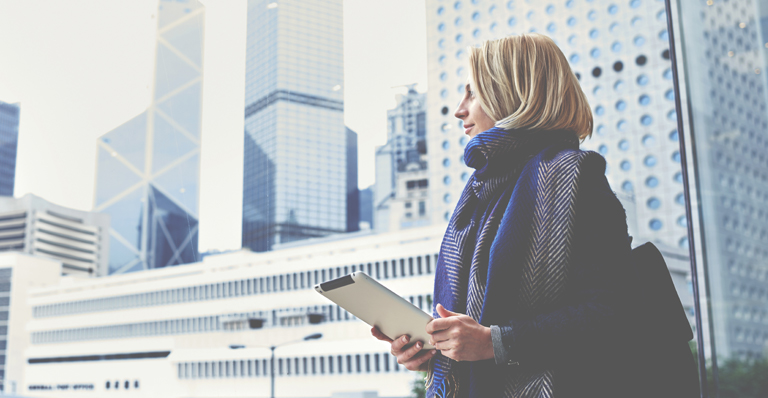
(500, 353)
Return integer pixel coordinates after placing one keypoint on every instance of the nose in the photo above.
(461, 110)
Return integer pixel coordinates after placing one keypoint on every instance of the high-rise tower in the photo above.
(295, 163)
(9, 139)
(147, 174)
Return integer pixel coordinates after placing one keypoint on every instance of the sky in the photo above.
(81, 68)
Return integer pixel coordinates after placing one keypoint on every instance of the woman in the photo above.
(528, 282)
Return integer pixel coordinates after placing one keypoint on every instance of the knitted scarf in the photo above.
(535, 168)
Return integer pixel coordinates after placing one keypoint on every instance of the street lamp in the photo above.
(272, 360)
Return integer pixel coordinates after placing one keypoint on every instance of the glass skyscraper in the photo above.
(147, 175)
(9, 139)
(295, 179)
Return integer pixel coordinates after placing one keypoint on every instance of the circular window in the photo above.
(670, 95)
(636, 21)
(463, 140)
(461, 89)
(512, 21)
(624, 145)
(572, 39)
(446, 145)
(682, 221)
(476, 33)
(665, 54)
(651, 182)
(443, 76)
(461, 159)
(616, 47)
(603, 149)
(530, 15)
(460, 54)
(668, 74)
(440, 27)
(683, 242)
(613, 27)
(655, 224)
(613, 9)
(653, 203)
(601, 130)
(597, 72)
(550, 9)
(621, 105)
(625, 165)
(592, 15)
(639, 40)
(459, 38)
(551, 27)
(447, 180)
(460, 123)
(680, 199)
(444, 111)
(441, 60)
(597, 91)
(569, 4)
(641, 60)
(458, 21)
(464, 176)
(446, 162)
(447, 216)
(662, 15)
(441, 43)
(644, 100)
(460, 71)
(594, 33)
(599, 110)
(672, 115)
(646, 120)
(642, 80)
(491, 9)
(595, 52)
(574, 58)
(440, 10)
(618, 86)
(664, 35)
(492, 27)
(673, 136)
(676, 156)
(578, 76)
(649, 140)
(627, 186)
(650, 161)
(447, 198)
(635, 3)
(511, 5)
(618, 66)
(622, 125)
(678, 177)
(444, 93)
(457, 5)
(475, 16)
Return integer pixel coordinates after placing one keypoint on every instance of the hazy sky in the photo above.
(80, 68)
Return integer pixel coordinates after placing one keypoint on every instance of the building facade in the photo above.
(166, 332)
(147, 173)
(295, 164)
(724, 80)
(9, 140)
(78, 239)
(619, 52)
(401, 190)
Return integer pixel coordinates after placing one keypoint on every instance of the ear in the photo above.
(444, 313)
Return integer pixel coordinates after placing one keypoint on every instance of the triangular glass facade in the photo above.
(148, 169)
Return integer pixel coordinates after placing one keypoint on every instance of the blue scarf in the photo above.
(525, 181)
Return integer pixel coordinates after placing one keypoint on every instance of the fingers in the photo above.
(381, 336)
(418, 362)
(438, 325)
(397, 345)
(444, 313)
(439, 337)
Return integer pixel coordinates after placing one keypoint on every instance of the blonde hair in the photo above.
(525, 82)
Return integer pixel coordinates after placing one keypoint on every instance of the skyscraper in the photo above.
(295, 165)
(619, 53)
(9, 139)
(401, 194)
(148, 168)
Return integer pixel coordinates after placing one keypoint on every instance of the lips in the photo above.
(467, 128)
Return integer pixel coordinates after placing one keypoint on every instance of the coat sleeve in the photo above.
(589, 314)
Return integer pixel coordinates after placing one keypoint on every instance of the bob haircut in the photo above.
(524, 82)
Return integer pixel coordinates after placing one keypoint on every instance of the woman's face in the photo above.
(469, 110)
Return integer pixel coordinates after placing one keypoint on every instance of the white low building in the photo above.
(168, 332)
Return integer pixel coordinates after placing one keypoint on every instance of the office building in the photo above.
(167, 332)
(9, 139)
(148, 169)
(401, 190)
(725, 82)
(618, 51)
(296, 166)
(366, 208)
(353, 193)
(78, 239)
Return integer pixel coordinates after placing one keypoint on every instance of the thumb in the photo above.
(444, 313)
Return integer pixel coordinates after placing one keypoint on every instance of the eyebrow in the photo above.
(467, 88)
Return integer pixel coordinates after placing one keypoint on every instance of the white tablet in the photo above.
(369, 300)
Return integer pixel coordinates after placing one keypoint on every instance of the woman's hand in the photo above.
(410, 357)
(460, 337)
